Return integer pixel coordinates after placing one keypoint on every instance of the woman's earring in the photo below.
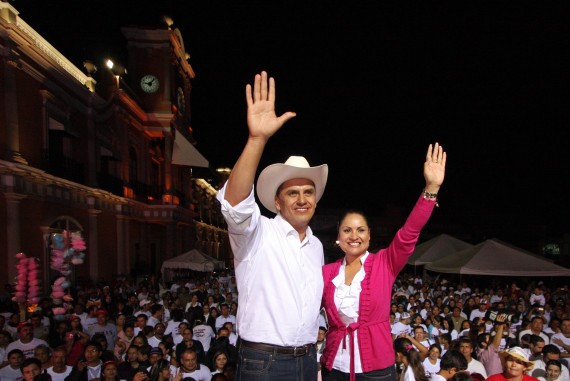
(337, 242)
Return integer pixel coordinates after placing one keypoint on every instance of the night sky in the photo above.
(373, 84)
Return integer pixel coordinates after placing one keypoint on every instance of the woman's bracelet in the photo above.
(430, 196)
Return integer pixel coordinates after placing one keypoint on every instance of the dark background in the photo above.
(373, 83)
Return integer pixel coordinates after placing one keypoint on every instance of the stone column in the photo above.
(122, 252)
(13, 244)
(11, 109)
(93, 239)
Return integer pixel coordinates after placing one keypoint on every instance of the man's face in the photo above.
(58, 358)
(296, 202)
(132, 354)
(159, 329)
(15, 360)
(551, 356)
(565, 327)
(537, 325)
(537, 349)
(141, 322)
(41, 354)
(153, 358)
(225, 311)
(101, 319)
(129, 332)
(466, 349)
(187, 335)
(30, 372)
(189, 362)
(322, 335)
(92, 354)
(36, 321)
(26, 334)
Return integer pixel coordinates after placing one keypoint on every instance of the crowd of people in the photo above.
(187, 330)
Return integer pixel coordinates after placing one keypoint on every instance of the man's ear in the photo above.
(277, 205)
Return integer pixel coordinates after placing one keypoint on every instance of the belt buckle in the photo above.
(299, 351)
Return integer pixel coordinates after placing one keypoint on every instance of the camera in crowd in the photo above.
(510, 316)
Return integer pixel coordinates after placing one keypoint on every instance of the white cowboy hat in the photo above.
(519, 354)
(296, 167)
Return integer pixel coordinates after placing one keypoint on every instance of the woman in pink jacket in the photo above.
(357, 288)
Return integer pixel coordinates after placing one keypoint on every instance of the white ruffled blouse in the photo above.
(347, 301)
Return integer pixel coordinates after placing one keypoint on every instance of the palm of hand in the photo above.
(434, 173)
(262, 120)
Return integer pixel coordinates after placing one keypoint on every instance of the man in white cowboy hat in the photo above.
(277, 260)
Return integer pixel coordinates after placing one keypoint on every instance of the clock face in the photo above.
(149, 83)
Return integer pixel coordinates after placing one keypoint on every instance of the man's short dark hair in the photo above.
(15, 351)
(550, 349)
(29, 361)
(453, 359)
(155, 308)
(535, 339)
(96, 344)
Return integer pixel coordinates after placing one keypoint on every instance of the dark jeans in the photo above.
(386, 374)
(255, 365)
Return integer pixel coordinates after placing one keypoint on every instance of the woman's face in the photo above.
(221, 360)
(434, 353)
(138, 341)
(552, 372)
(354, 235)
(110, 371)
(121, 320)
(514, 367)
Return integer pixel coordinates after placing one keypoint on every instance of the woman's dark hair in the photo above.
(435, 345)
(346, 212)
(158, 367)
(404, 346)
(219, 353)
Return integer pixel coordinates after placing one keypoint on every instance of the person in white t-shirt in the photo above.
(537, 297)
(562, 338)
(58, 371)
(479, 312)
(402, 326)
(203, 333)
(12, 372)
(473, 366)
(190, 367)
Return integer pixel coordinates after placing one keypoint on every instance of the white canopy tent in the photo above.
(436, 248)
(496, 258)
(194, 260)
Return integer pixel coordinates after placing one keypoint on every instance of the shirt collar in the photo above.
(287, 228)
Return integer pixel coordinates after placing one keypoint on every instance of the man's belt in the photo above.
(293, 351)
